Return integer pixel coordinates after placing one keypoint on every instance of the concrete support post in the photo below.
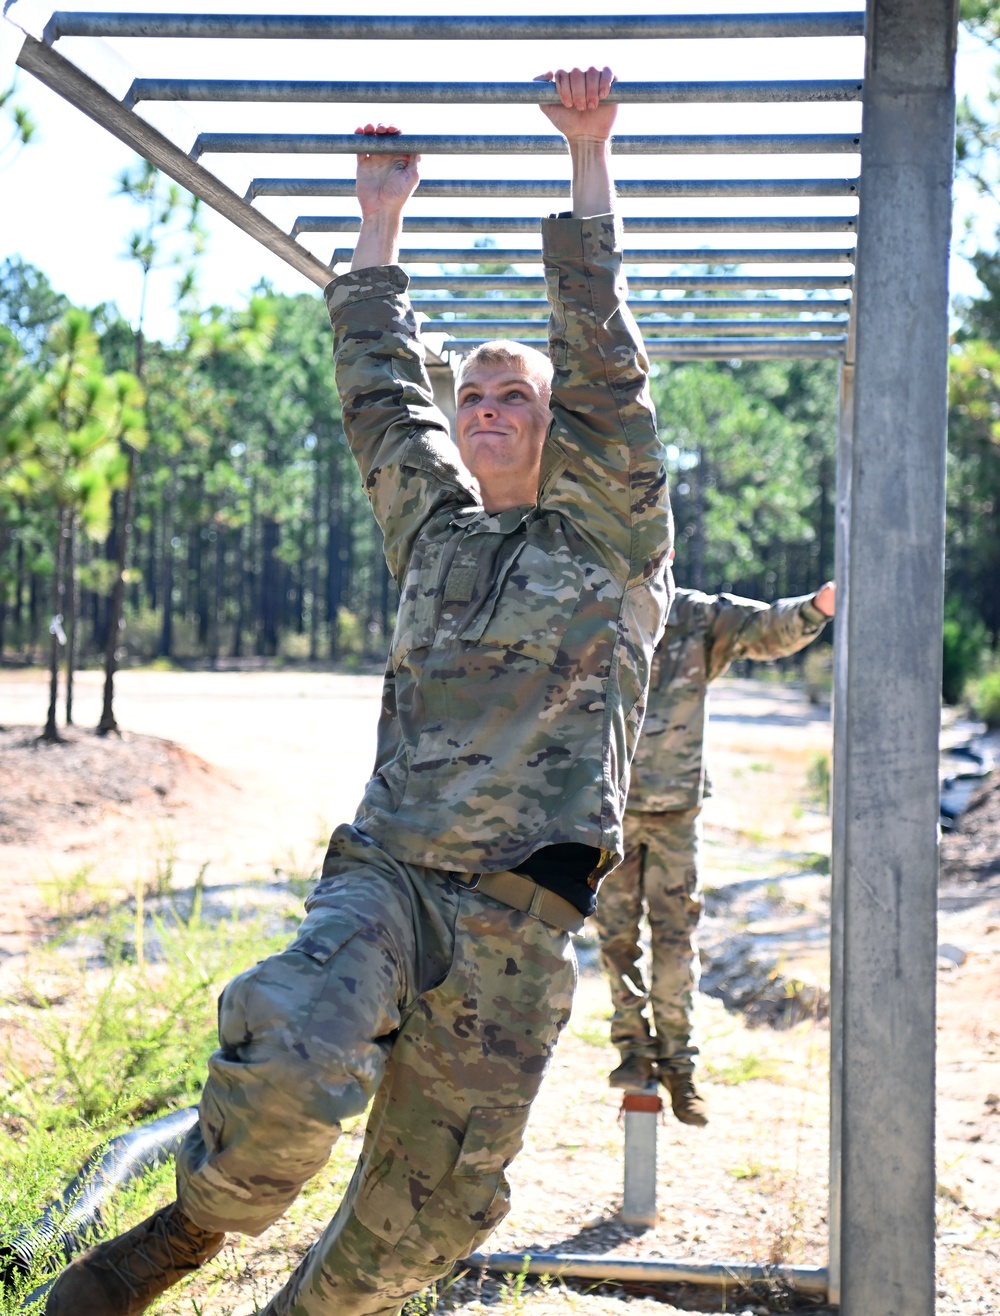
(845, 440)
(891, 708)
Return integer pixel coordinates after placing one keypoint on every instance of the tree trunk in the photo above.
(166, 645)
(51, 732)
(696, 556)
(34, 612)
(72, 611)
(334, 562)
(108, 723)
(18, 617)
(316, 545)
(269, 588)
(215, 615)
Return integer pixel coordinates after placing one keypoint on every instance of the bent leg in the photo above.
(618, 919)
(449, 1117)
(674, 900)
(303, 1041)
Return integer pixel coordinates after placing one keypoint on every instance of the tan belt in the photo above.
(521, 893)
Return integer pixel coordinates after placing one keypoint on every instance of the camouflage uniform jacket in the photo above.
(518, 669)
(704, 634)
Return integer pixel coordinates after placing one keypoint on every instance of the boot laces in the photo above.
(157, 1252)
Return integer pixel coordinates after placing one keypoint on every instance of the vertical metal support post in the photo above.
(845, 439)
(893, 661)
(641, 1111)
(442, 378)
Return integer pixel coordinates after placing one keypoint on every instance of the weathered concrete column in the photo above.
(845, 445)
(889, 753)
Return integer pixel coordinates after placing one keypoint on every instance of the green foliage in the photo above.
(111, 1026)
(22, 128)
(818, 779)
(744, 1069)
(985, 695)
(817, 671)
(965, 641)
(750, 449)
(29, 306)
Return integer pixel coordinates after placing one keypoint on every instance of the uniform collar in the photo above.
(476, 520)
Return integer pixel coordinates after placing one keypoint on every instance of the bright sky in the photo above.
(58, 211)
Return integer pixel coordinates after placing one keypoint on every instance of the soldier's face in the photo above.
(502, 419)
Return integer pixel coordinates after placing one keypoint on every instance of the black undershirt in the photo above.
(564, 869)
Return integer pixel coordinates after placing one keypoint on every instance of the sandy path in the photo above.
(290, 752)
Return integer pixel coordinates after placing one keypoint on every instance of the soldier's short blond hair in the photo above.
(504, 352)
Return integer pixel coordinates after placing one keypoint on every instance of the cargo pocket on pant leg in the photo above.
(474, 1196)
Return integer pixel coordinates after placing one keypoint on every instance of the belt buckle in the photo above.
(471, 885)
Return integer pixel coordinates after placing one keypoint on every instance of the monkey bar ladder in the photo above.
(769, 259)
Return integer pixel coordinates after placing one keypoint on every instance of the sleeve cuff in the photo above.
(580, 239)
(813, 616)
(378, 281)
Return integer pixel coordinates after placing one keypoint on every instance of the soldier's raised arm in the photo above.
(746, 628)
(604, 464)
(401, 441)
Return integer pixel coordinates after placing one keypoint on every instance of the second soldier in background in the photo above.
(652, 1023)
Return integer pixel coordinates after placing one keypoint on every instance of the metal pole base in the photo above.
(641, 1110)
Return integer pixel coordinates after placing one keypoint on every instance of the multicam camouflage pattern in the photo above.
(448, 1003)
(704, 634)
(659, 875)
(518, 669)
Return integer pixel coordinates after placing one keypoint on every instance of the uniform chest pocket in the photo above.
(419, 601)
(530, 605)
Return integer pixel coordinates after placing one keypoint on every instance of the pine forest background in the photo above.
(251, 538)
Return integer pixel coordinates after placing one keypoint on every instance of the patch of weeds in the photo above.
(300, 874)
(592, 1034)
(747, 1170)
(68, 895)
(818, 779)
(814, 862)
(755, 835)
(761, 767)
(513, 1290)
(112, 1044)
(744, 1069)
(163, 878)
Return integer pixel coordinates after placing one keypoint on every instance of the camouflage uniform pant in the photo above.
(443, 1003)
(659, 875)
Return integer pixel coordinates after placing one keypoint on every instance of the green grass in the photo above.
(111, 1027)
(743, 1069)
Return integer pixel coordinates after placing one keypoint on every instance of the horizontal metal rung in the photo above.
(67, 23)
(518, 144)
(275, 91)
(640, 282)
(698, 349)
(640, 305)
(465, 328)
(532, 224)
(635, 256)
(631, 189)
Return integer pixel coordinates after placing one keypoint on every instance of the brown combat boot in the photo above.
(122, 1276)
(687, 1105)
(633, 1072)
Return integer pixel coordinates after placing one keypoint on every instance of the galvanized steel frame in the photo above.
(893, 353)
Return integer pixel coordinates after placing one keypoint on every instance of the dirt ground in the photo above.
(247, 772)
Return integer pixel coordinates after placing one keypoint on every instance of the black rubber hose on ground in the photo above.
(62, 1225)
